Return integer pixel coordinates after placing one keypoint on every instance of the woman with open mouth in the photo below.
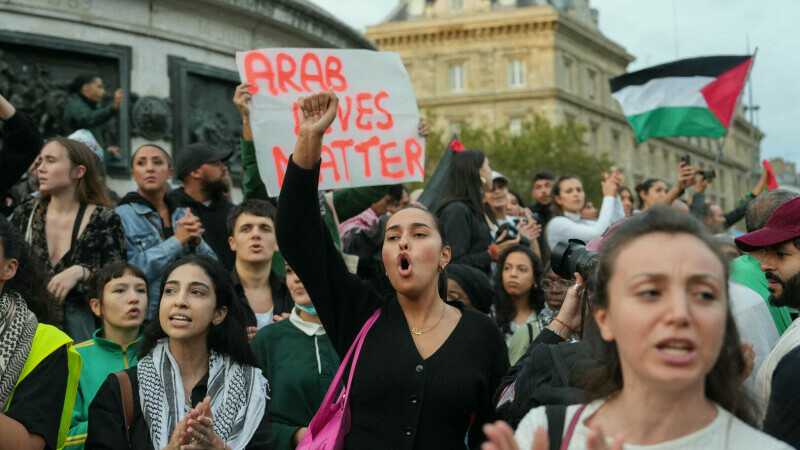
(672, 367)
(428, 367)
(196, 385)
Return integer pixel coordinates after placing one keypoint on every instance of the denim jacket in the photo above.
(148, 250)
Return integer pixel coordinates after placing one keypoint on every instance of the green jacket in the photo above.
(352, 201)
(101, 358)
(747, 271)
(253, 187)
(300, 364)
(81, 113)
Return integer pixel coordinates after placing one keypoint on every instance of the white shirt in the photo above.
(264, 319)
(571, 226)
(755, 324)
(788, 341)
(725, 432)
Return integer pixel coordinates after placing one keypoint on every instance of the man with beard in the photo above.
(776, 382)
(203, 171)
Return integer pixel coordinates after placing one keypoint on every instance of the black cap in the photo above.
(195, 155)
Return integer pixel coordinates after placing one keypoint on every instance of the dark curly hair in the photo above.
(230, 336)
(504, 308)
(30, 280)
(723, 381)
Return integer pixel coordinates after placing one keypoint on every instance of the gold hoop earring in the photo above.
(483, 180)
(441, 269)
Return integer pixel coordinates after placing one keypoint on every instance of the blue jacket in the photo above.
(148, 249)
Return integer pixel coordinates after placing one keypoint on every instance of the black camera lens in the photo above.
(571, 256)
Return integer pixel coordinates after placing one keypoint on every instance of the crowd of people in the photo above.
(163, 320)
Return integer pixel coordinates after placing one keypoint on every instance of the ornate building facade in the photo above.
(497, 62)
(173, 60)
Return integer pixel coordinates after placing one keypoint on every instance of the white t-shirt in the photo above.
(264, 319)
(725, 432)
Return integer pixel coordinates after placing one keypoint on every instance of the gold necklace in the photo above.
(416, 330)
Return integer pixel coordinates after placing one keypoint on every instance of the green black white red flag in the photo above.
(690, 97)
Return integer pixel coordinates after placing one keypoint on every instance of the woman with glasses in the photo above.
(555, 289)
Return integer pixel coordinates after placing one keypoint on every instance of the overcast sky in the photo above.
(660, 31)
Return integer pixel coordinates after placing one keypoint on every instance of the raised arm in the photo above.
(342, 301)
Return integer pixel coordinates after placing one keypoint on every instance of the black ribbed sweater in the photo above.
(398, 400)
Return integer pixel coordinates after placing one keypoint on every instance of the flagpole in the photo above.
(721, 144)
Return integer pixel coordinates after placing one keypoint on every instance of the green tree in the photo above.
(541, 145)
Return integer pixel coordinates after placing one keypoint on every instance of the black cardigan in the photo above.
(107, 421)
(467, 235)
(398, 400)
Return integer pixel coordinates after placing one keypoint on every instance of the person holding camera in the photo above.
(717, 221)
(524, 226)
(671, 367)
(570, 197)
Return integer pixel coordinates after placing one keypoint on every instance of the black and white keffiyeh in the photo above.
(238, 396)
(17, 328)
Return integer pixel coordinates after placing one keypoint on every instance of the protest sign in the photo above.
(374, 138)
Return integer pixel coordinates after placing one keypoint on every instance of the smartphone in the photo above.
(686, 159)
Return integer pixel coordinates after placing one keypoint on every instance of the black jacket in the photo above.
(467, 235)
(398, 400)
(214, 218)
(21, 144)
(281, 298)
(107, 421)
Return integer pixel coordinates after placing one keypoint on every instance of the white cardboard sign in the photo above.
(374, 139)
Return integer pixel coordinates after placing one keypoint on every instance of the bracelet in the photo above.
(565, 325)
(83, 273)
(559, 334)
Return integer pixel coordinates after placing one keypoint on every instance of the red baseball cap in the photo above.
(783, 225)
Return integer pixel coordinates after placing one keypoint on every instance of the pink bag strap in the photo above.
(355, 346)
(360, 339)
(572, 424)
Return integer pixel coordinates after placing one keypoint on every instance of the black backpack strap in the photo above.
(561, 369)
(530, 333)
(556, 414)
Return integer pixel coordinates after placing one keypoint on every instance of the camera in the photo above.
(512, 233)
(709, 174)
(571, 256)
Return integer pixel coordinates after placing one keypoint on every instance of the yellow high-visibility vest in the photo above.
(47, 340)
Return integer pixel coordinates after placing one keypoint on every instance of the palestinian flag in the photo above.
(690, 97)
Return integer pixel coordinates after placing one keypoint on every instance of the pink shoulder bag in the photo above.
(332, 422)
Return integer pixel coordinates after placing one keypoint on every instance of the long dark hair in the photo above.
(464, 181)
(645, 187)
(90, 188)
(554, 206)
(230, 336)
(723, 381)
(504, 308)
(30, 280)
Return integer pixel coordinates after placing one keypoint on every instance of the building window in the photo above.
(567, 74)
(456, 5)
(457, 75)
(591, 84)
(516, 73)
(515, 126)
(455, 127)
(593, 139)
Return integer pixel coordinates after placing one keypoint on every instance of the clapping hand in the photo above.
(501, 437)
(200, 427)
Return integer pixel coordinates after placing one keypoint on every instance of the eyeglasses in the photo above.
(559, 285)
